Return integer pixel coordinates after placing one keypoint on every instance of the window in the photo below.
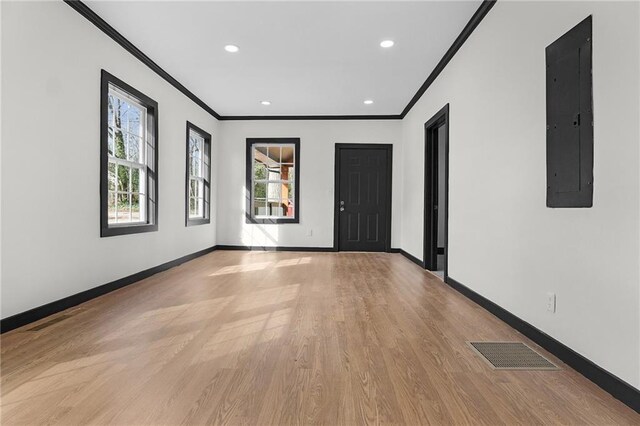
(129, 158)
(198, 175)
(273, 180)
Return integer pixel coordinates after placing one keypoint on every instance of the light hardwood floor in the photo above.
(284, 338)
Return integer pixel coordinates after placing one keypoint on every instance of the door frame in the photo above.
(336, 188)
(430, 236)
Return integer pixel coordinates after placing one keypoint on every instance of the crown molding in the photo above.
(95, 19)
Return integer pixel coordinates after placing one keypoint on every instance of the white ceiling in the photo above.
(306, 57)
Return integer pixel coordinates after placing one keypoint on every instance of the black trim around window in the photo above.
(249, 187)
(152, 167)
(207, 178)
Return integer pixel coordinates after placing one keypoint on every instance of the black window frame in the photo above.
(151, 225)
(249, 180)
(207, 179)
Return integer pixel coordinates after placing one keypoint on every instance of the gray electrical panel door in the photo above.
(570, 119)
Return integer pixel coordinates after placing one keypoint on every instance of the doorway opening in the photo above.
(362, 209)
(436, 193)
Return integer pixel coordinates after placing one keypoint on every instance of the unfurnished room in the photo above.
(319, 212)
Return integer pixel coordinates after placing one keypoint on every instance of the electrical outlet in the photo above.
(309, 232)
(551, 302)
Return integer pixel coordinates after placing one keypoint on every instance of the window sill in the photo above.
(269, 221)
(198, 221)
(111, 231)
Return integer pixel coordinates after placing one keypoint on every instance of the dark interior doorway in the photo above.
(436, 192)
(362, 219)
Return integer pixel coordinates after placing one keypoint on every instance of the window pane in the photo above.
(124, 177)
(123, 208)
(135, 180)
(288, 207)
(134, 144)
(133, 120)
(110, 142)
(195, 166)
(259, 171)
(260, 190)
(200, 189)
(122, 108)
(110, 108)
(274, 191)
(143, 208)
(192, 207)
(260, 207)
(275, 208)
(120, 151)
(111, 178)
(135, 208)
(287, 172)
(261, 152)
(274, 153)
(194, 188)
(119, 108)
(287, 154)
(193, 145)
(273, 172)
(111, 208)
(195, 155)
(200, 207)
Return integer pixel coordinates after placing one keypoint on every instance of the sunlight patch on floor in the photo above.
(271, 296)
(243, 334)
(53, 383)
(234, 269)
(293, 262)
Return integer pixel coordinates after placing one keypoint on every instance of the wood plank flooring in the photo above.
(284, 338)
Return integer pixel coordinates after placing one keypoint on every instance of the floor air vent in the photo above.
(511, 356)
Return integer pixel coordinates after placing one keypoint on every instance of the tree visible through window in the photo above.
(128, 185)
(127, 166)
(273, 180)
(198, 175)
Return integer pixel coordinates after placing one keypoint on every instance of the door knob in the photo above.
(341, 209)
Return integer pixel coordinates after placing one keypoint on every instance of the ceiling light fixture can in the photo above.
(387, 43)
(265, 103)
(368, 102)
(231, 48)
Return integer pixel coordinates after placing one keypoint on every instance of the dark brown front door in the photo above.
(363, 208)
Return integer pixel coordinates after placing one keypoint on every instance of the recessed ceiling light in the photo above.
(266, 103)
(387, 43)
(231, 48)
(368, 102)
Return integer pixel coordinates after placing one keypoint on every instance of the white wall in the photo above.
(51, 245)
(504, 243)
(317, 152)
